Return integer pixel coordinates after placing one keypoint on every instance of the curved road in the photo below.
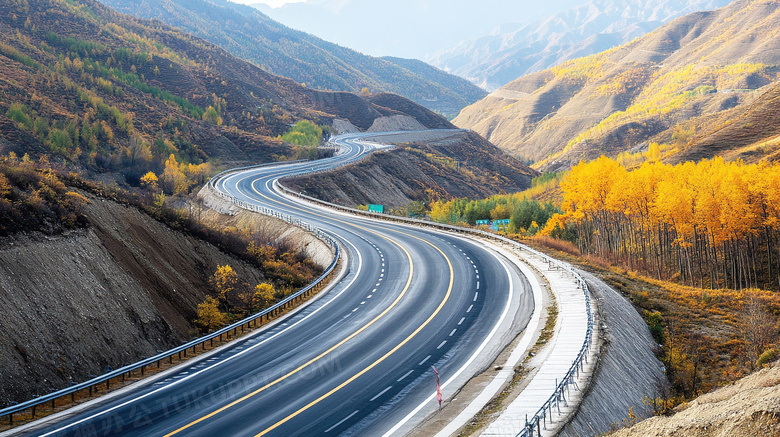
(356, 361)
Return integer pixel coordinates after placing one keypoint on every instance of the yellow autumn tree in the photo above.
(150, 182)
(263, 296)
(231, 291)
(441, 211)
(209, 315)
(713, 222)
(174, 180)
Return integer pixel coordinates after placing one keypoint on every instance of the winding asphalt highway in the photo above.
(356, 361)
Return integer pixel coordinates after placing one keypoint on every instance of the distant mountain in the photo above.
(251, 35)
(408, 28)
(518, 49)
(672, 87)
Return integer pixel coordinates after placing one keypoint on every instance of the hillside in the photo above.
(251, 35)
(515, 50)
(460, 164)
(112, 94)
(750, 131)
(645, 91)
(748, 408)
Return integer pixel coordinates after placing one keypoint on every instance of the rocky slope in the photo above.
(748, 408)
(515, 50)
(75, 303)
(645, 91)
(249, 34)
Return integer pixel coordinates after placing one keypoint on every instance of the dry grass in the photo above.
(556, 244)
(702, 326)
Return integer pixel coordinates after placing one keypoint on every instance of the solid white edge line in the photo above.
(519, 351)
(473, 357)
(219, 363)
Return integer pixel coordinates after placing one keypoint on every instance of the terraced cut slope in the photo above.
(660, 88)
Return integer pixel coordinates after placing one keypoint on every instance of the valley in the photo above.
(591, 248)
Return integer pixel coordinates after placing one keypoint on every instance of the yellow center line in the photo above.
(323, 354)
(318, 357)
(378, 361)
(342, 342)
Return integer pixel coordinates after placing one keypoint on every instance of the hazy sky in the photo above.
(272, 3)
(406, 28)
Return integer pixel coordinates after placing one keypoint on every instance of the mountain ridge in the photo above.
(249, 34)
(644, 92)
(515, 50)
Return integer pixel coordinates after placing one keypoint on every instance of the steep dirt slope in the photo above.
(110, 294)
(620, 99)
(748, 408)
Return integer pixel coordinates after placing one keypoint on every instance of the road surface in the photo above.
(357, 361)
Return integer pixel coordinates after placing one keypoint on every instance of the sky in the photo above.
(271, 3)
(405, 28)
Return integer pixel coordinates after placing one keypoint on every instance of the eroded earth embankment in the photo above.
(120, 290)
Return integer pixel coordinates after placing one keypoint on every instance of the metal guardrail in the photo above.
(242, 324)
(157, 359)
(534, 426)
